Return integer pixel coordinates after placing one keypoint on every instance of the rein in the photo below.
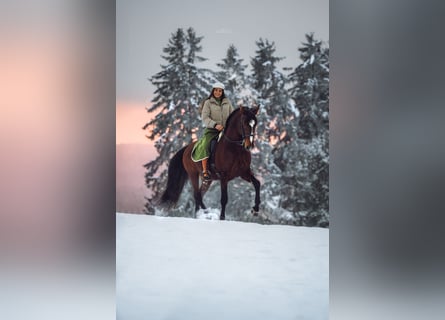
(238, 142)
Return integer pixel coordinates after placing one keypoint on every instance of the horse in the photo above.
(232, 160)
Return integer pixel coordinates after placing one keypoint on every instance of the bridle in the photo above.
(244, 135)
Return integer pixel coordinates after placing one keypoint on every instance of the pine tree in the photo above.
(232, 74)
(180, 86)
(311, 88)
(296, 189)
(276, 120)
(270, 85)
(306, 164)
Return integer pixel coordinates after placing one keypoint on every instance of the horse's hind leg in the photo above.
(197, 192)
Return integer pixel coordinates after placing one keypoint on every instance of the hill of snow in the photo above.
(181, 268)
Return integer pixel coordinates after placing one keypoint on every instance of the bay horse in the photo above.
(232, 159)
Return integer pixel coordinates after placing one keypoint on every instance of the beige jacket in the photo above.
(213, 113)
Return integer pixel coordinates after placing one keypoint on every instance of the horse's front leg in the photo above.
(251, 178)
(224, 199)
(257, 185)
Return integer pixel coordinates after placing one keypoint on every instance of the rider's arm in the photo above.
(208, 122)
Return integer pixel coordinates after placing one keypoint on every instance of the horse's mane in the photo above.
(232, 115)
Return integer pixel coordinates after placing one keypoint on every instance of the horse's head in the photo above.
(240, 127)
(248, 124)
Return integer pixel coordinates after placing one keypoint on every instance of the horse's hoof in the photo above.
(254, 212)
(222, 218)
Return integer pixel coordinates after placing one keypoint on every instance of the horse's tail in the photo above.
(177, 176)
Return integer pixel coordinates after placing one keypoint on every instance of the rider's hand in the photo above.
(219, 127)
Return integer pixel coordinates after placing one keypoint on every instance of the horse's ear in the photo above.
(255, 110)
(241, 109)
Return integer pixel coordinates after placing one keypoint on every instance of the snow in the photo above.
(274, 202)
(209, 213)
(293, 107)
(182, 268)
(233, 76)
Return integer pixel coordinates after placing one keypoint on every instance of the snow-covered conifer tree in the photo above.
(305, 165)
(233, 75)
(310, 88)
(276, 120)
(270, 84)
(180, 86)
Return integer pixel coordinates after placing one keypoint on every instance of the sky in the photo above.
(207, 269)
(143, 29)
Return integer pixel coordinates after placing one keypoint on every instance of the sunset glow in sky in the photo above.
(130, 118)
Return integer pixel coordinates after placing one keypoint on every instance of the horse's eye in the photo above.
(252, 123)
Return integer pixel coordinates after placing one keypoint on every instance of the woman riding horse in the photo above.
(215, 112)
(232, 159)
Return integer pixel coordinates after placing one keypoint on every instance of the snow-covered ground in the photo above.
(181, 268)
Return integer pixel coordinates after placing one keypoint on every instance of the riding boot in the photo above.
(205, 172)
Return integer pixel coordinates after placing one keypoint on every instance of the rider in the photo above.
(215, 112)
